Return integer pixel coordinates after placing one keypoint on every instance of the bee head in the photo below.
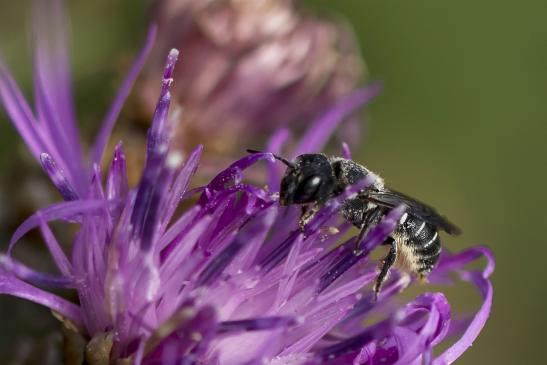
(308, 179)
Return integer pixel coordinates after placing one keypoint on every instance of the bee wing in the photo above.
(391, 199)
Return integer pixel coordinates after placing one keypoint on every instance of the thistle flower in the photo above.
(232, 280)
(256, 66)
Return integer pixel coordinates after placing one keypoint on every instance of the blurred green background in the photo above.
(461, 123)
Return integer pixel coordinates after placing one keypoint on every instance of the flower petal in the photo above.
(27, 274)
(180, 185)
(256, 324)
(275, 144)
(355, 343)
(346, 151)
(116, 182)
(419, 341)
(10, 285)
(190, 328)
(123, 92)
(157, 175)
(231, 174)
(60, 211)
(57, 253)
(58, 177)
(321, 129)
(20, 113)
(53, 89)
(480, 280)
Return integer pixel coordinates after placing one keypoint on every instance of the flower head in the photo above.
(256, 66)
(232, 280)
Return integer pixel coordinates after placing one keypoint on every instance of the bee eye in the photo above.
(307, 189)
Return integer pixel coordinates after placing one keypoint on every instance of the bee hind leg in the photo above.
(387, 263)
(367, 222)
(422, 278)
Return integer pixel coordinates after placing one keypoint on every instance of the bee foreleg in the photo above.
(307, 215)
(387, 262)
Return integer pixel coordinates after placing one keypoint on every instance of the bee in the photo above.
(414, 247)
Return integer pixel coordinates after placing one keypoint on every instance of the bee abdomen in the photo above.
(428, 246)
(426, 264)
(425, 241)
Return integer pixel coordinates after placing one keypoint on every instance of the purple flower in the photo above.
(232, 280)
(255, 66)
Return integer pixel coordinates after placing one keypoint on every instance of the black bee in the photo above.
(312, 179)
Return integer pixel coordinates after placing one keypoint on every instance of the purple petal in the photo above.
(322, 314)
(20, 113)
(65, 267)
(283, 226)
(255, 231)
(256, 324)
(321, 129)
(13, 286)
(449, 263)
(368, 303)
(480, 280)
(116, 182)
(191, 329)
(346, 151)
(415, 343)
(177, 229)
(230, 174)
(156, 178)
(280, 252)
(29, 275)
(158, 134)
(63, 211)
(275, 144)
(220, 262)
(180, 185)
(58, 177)
(139, 354)
(180, 252)
(53, 90)
(175, 253)
(149, 202)
(355, 343)
(123, 92)
(248, 347)
(290, 271)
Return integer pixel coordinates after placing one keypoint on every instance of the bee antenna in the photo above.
(279, 158)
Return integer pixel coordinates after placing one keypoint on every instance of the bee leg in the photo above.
(369, 219)
(422, 278)
(307, 215)
(357, 249)
(388, 261)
